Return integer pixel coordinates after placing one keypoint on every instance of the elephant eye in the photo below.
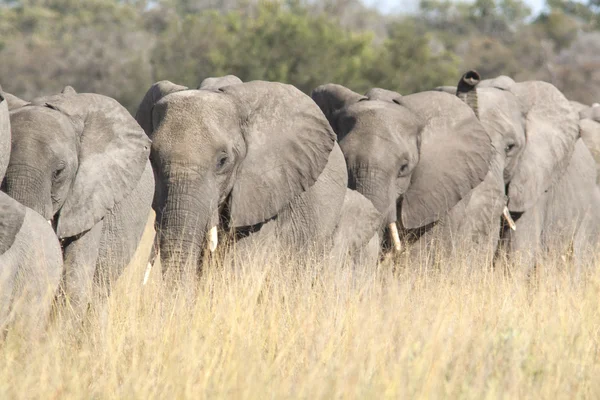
(57, 173)
(221, 161)
(509, 147)
(403, 169)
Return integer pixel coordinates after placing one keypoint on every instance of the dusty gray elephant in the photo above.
(256, 157)
(414, 157)
(589, 129)
(548, 173)
(30, 255)
(81, 161)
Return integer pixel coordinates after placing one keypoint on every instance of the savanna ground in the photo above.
(280, 330)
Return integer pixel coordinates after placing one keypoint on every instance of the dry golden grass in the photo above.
(285, 329)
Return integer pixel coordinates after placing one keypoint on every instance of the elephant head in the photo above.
(535, 129)
(74, 156)
(241, 152)
(413, 157)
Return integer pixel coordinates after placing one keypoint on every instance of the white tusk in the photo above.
(147, 273)
(508, 218)
(395, 236)
(50, 222)
(213, 239)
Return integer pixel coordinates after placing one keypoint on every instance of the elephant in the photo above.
(548, 174)
(82, 162)
(256, 158)
(414, 157)
(589, 129)
(31, 262)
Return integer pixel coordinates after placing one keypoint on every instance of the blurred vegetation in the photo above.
(119, 48)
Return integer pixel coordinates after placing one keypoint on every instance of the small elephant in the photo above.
(256, 157)
(30, 256)
(547, 171)
(82, 162)
(414, 157)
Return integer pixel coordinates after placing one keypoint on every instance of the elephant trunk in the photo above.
(187, 216)
(31, 187)
(376, 186)
(467, 90)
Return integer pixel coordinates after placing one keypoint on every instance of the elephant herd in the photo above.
(492, 167)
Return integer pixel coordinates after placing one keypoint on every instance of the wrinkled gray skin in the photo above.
(589, 128)
(81, 161)
(414, 157)
(257, 157)
(356, 238)
(30, 256)
(548, 173)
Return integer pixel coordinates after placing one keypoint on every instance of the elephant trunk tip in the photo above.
(466, 90)
(469, 80)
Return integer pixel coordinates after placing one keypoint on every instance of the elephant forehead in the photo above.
(437, 104)
(42, 124)
(388, 121)
(500, 113)
(194, 119)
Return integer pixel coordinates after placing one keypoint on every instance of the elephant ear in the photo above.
(12, 215)
(160, 89)
(383, 95)
(551, 128)
(455, 155)
(215, 83)
(113, 151)
(4, 136)
(288, 141)
(12, 101)
(332, 98)
(69, 91)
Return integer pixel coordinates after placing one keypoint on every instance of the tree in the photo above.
(412, 60)
(280, 42)
(97, 46)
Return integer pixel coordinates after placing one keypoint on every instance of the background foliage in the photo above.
(119, 48)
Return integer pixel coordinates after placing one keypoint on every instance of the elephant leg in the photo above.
(81, 257)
